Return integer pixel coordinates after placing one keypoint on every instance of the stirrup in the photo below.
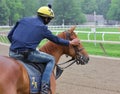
(45, 88)
(59, 71)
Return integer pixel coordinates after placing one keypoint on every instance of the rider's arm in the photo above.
(59, 40)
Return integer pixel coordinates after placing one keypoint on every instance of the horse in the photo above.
(14, 78)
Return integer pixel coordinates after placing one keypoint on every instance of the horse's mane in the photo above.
(50, 47)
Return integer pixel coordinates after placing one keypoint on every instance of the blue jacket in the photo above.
(29, 32)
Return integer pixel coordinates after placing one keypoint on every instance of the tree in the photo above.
(4, 13)
(16, 9)
(114, 11)
(67, 12)
(88, 6)
(30, 7)
(13, 10)
(43, 2)
(103, 6)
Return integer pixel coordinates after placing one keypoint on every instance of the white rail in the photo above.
(98, 41)
(4, 33)
(79, 26)
(103, 34)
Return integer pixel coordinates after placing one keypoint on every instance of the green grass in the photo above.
(107, 37)
(100, 29)
(112, 50)
(4, 39)
(108, 29)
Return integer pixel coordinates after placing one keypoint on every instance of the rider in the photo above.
(28, 33)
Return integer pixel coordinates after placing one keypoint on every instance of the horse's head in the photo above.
(76, 52)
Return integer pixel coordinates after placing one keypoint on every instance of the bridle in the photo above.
(79, 58)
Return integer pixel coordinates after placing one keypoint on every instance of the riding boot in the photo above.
(45, 88)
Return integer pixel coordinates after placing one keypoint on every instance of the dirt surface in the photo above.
(4, 50)
(100, 76)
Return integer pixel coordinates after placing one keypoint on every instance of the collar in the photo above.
(40, 19)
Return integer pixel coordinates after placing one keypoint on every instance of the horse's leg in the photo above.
(53, 84)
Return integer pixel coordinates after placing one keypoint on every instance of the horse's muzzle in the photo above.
(82, 60)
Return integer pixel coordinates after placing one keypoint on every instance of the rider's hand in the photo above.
(75, 42)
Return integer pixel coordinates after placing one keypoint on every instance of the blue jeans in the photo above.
(39, 57)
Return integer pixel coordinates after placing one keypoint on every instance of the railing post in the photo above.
(103, 36)
(88, 35)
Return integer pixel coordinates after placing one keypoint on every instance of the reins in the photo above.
(72, 59)
(68, 64)
(76, 60)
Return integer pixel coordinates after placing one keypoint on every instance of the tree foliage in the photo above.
(16, 8)
(88, 6)
(66, 11)
(4, 13)
(103, 6)
(114, 10)
(30, 7)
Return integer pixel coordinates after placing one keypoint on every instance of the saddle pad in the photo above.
(34, 77)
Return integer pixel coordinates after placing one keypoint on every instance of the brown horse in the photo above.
(14, 78)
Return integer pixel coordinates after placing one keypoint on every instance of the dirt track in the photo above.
(100, 76)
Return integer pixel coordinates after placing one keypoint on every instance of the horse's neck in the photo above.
(53, 49)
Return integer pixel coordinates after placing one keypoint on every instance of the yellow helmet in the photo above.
(45, 11)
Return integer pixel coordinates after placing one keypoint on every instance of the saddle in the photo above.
(35, 72)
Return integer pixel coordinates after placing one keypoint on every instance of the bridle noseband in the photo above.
(79, 58)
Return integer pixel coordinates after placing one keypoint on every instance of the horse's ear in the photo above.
(72, 28)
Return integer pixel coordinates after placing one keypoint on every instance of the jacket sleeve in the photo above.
(11, 32)
(48, 34)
